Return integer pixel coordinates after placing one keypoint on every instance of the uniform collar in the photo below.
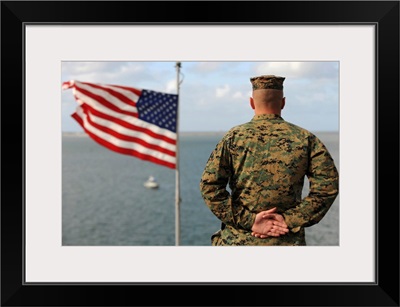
(267, 117)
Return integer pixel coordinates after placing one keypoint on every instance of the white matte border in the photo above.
(46, 260)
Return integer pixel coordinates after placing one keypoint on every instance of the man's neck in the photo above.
(269, 111)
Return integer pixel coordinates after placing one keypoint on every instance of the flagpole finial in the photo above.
(178, 69)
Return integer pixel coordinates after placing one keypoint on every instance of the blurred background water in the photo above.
(104, 202)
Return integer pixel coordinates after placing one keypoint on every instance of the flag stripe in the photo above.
(126, 135)
(124, 145)
(132, 94)
(114, 92)
(121, 150)
(136, 126)
(109, 115)
(93, 103)
(105, 100)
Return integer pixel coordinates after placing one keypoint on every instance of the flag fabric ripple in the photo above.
(132, 121)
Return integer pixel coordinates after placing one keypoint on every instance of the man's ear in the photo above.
(283, 103)
(252, 103)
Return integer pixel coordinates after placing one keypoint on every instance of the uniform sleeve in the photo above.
(213, 188)
(324, 188)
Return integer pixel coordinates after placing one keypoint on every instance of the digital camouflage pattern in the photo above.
(267, 82)
(264, 163)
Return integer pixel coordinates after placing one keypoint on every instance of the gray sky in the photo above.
(214, 96)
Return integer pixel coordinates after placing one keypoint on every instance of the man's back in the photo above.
(265, 162)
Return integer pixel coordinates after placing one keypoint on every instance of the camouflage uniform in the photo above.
(264, 163)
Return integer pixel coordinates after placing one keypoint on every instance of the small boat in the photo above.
(151, 183)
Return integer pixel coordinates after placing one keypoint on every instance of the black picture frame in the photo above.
(383, 14)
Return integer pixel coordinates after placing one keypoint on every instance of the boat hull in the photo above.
(151, 185)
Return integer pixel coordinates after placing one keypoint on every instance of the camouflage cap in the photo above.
(267, 82)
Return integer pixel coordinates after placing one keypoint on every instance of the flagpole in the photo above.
(177, 180)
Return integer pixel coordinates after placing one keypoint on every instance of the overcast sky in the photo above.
(214, 96)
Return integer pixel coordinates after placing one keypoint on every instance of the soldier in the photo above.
(265, 162)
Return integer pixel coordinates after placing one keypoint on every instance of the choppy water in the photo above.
(105, 203)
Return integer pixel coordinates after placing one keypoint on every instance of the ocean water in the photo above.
(104, 202)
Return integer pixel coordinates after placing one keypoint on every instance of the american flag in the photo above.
(132, 121)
